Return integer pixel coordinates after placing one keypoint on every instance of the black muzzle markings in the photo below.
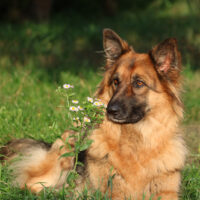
(125, 109)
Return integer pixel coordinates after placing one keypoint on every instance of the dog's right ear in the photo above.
(113, 45)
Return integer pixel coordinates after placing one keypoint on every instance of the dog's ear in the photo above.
(167, 59)
(113, 45)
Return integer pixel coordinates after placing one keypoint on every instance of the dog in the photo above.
(139, 138)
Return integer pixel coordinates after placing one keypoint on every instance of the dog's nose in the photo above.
(113, 109)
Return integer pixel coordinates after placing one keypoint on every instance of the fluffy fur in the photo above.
(139, 138)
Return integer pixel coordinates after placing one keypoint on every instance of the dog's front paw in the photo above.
(65, 143)
(69, 137)
(63, 148)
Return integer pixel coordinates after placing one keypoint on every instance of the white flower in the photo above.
(90, 99)
(86, 119)
(80, 108)
(75, 101)
(76, 118)
(98, 103)
(73, 108)
(67, 86)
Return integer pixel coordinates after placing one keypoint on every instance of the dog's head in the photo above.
(136, 84)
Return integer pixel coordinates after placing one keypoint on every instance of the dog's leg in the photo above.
(51, 169)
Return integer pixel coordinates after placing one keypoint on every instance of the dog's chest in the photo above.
(106, 158)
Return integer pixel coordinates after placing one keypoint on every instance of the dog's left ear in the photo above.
(167, 59)
(113, 45)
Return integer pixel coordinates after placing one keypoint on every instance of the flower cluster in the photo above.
(76, 109)
(96, 102)
(82, 113)
(73, 109)
(84, 116)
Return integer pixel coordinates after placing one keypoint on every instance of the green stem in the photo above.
(77, 151)
(68, 105)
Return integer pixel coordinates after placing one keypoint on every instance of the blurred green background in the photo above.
(44, 44)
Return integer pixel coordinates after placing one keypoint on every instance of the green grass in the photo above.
(37, 58)
(191, 182)
(30, 107)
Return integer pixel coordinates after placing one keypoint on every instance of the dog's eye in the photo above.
(138, 84)
(116, 82)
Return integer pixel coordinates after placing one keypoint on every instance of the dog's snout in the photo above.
(113, 109)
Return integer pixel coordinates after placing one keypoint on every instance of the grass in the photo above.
(30, 107)
(191, 182)
(37, 58)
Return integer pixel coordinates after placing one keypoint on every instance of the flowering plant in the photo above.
(84, 116)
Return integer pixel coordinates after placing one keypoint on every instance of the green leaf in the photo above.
(70, 177)
(68, 154)
(80, 164)
(72, 94)
(86, 145)
(76, 129)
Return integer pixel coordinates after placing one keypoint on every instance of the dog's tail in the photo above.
(36, 164)
(20, 146)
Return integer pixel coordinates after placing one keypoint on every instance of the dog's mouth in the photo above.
(117, 120)
(131, 120)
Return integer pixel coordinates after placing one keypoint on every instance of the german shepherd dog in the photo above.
(139, 137)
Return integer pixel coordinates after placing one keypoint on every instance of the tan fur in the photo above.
(148, 155)
(145, 157)
(37, 167)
